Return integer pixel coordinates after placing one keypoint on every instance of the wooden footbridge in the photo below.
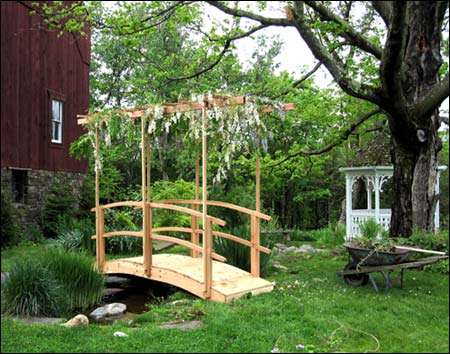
(203, 273)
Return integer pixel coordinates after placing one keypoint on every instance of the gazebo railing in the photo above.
(360, 216)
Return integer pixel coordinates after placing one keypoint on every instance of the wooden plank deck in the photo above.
(228, 282)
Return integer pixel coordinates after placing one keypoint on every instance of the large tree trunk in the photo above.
(414, 179)
(415, 140)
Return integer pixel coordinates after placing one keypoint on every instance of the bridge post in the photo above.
(194, 228)
(146, 209)
(207, 259)
(254, 240)
(99, 212)
(100, 240)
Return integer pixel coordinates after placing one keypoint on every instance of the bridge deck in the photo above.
(228, 282)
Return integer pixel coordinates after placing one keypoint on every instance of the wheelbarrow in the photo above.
(358, 271)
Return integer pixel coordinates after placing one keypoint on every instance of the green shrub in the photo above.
(31, 289)
(60, 204)
(124, 245)
(238, 254)
(81, 283)
(9, 226)
(431, 241)
(33, 235)
(370, 229)
(75, 235)
(179, 189)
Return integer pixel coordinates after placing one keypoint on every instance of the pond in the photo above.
(135, 292)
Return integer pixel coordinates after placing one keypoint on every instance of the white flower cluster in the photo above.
(97, 157)
(154, 115)
(233, 129)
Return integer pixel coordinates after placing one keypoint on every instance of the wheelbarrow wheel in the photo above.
(355, 279)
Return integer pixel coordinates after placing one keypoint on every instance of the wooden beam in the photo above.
(254, 252)
(186, 106)
(146, 222)
(99, 214)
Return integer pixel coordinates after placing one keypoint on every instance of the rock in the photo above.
(292, 249)
(180, 302)
(280, 246)
(77, 321)
(4, 276)
(184, 326)
(109, 310)
(120, 334)
(307, 248)
(278, 265)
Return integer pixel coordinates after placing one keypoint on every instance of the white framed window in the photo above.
(57, 121)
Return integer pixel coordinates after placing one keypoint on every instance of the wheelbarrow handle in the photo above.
(406, 248)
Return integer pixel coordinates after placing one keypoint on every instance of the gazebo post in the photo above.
(369, 194)
(348, 205)
(376, 186)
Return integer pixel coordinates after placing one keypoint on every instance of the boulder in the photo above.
(77, 321)
(109, 310)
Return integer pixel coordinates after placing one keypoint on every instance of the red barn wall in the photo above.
(36, 65)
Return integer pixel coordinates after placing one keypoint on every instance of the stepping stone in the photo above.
(183, 326)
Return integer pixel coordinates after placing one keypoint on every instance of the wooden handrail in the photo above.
(121, 233)
(176, 229)
(207, 251)
(219, 204)
(241, 241)
(117, 204)
(187, 211)
(188, 244)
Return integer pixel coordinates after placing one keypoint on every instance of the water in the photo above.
(136, 293)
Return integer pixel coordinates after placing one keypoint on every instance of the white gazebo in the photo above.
(374, 178)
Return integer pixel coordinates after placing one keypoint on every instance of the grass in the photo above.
(310, 306)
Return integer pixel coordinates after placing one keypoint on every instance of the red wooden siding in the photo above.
(35, 66)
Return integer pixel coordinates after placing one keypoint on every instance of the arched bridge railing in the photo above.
(255, 217)
(194, 230)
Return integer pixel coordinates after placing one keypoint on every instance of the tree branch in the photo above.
(444, 120)
(353, 88)
(384, 9)
(349, 33)
(433, 98)
(330, 146)
(391, 63)
(221, 54)
(268, 21)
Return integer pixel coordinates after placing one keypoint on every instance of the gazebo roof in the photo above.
(372, 170)
(368, 170)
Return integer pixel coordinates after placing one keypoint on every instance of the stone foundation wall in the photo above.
(39, 183)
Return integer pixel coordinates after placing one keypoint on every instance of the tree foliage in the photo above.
(164, 51)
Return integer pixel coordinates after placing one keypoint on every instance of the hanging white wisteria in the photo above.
(231, 128)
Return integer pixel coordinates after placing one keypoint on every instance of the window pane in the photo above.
(55, 110)
(57, 115)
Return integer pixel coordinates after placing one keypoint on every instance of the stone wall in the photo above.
(39, 183)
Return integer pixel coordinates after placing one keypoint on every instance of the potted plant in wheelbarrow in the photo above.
(372, 248)
(375, 251)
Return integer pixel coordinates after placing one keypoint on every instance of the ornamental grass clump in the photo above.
(82, 284)
(31, 289)
(374, 237)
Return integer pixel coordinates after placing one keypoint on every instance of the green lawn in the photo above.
(310, 306)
